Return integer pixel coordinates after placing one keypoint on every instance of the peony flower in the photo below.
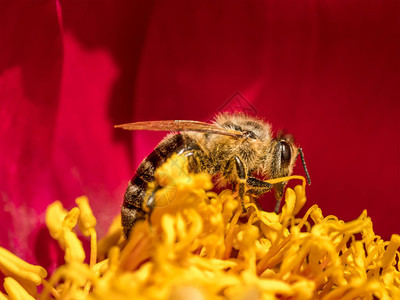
(70, 70)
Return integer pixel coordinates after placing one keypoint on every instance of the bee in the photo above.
(235, 148)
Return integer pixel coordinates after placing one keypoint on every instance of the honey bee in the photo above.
(235, 149)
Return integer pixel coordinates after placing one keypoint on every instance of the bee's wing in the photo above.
(179, 125)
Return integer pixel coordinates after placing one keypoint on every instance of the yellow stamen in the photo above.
(86, 219)
(200, 244)
(3, 297)
(390, 253)
(11, 265)
(15, 291)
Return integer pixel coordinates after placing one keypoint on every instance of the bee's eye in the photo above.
(285, 154)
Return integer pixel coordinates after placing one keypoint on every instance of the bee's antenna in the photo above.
(304, 166)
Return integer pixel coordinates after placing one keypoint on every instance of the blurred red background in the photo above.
(326, 71)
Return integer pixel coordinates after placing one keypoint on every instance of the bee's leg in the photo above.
(241, 172)
(278, 194)
(232, 166)
(277, 205)
(194, 164)
(233, 186)
(195, 156)
(258, 186)
(151, 202)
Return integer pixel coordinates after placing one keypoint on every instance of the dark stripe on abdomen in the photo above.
(159, 155)
(149, 165)
(135, 192)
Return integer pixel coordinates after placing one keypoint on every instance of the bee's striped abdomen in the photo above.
(132, 210)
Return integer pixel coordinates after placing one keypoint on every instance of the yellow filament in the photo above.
(15, 291)
(287, 178)
(3, 297)
(13, 265)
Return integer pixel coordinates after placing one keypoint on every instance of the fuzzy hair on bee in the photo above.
(236, 148)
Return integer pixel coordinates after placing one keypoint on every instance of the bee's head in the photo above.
(284, 155)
